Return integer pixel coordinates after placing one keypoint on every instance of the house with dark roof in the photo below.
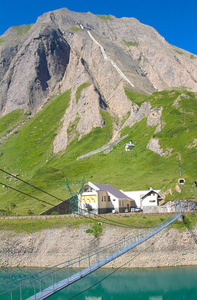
(103, 198)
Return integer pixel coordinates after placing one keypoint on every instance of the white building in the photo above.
(146, 198)
(103, 198)
(129, 146)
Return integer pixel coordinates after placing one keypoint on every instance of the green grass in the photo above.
(19, 30)
(11, 120)
(179, 129)
(22, 29)
(135, 97)
(71, 131)
(74, 29)
(105, 17)
(189, 221)
(79, 90)
(28, 150)
(29, 153)
(129, 43)
(49, 171)
(29, 225)
(179, 52)
(32, 145)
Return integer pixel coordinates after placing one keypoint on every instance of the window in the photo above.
(114, 199)
(104, 198)
(109, 198)
(88, 189)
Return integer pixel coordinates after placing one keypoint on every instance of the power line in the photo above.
(113, 271)
(37, 188)
(111, 221)
(88, 217)
(123, 225)
(10, 187)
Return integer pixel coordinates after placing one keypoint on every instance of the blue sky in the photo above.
(175, 20)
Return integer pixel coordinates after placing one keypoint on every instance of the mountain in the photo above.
(74, 82)
(97, 57)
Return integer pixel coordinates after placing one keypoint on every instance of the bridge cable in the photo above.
(112, 221)
(115, 269)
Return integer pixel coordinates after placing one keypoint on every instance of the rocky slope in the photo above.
(171, 247)
(97, 57)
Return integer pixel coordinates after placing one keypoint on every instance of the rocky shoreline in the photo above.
(169, 248)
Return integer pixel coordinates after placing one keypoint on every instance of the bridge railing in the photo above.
(80, 266)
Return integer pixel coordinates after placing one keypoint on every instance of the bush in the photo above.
(97, 230)
(54, 213)
(89, 231)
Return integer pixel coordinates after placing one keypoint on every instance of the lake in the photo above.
(150, 284)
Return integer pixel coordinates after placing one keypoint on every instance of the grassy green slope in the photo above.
(10, 121)
(27, 225)
(29, 153)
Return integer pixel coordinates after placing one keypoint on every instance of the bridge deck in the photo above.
(83, 272)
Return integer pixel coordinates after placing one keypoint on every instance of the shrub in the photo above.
(192, 56)
(97, 230)
(89, 231)
(54, 213)
(104, 17)
(129, 43)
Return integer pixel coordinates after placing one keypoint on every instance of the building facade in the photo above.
(145, 199)
(104, 198)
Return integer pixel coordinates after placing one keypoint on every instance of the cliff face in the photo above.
(31, 66)
(97, 58)
(170, 247)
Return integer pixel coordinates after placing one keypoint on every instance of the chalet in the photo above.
(146, 199)
(103, 198)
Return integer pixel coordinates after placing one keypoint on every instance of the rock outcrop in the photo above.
(65, 50)
(188, 205)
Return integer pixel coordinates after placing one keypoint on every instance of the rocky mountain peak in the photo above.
(94, 56)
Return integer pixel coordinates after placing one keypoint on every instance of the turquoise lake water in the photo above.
(150, 284)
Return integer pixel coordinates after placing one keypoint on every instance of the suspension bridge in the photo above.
(47, 282)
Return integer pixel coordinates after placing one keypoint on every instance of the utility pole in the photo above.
(179, 167)
(184, 115)
(161, 124)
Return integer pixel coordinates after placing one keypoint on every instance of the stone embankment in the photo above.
(171, 247)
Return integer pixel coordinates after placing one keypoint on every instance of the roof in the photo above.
(151, 191)
(112, 190)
